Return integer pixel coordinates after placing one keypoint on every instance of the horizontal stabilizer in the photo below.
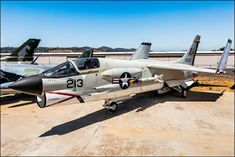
(187, 84)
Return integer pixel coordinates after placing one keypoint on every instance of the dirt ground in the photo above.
(215, 83)
(149, 124)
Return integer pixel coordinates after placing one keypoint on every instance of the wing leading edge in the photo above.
(181, 67)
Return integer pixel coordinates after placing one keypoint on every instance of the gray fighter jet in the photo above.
(15, 71)
(112, 80)
(19, 64)
(22, 55)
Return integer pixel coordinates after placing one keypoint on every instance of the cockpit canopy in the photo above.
(67, 69)
(61, 70)
(87, 63)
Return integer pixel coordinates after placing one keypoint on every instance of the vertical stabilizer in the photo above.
(86, 54)
(25, 52)
(224, 58)
(189, 56)
(142, 52)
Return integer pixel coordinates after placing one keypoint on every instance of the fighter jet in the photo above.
(112, 80)
(23, 54)
(14, 66)
(13, 72)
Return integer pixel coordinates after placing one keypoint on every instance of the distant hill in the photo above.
(222, 49)
(72, 49)
(81, 49)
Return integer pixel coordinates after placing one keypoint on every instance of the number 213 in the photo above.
(71, 83)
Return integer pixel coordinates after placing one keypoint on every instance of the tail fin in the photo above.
(25, 52)
(142, 52)
(189, 56)
(86, 54)
(224, 58)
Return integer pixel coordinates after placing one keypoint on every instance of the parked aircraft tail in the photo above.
(142, 52)
(224, 58)
(86, 54)
(25, 52)
(189, 56)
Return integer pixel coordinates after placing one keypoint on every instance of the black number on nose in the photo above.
(79, 82)
(71, 83)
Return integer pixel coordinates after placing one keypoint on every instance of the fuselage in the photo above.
(97, 83)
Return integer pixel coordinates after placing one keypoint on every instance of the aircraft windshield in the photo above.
(87, 63)
(63, 70)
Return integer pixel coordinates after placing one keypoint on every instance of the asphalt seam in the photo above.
(91, 138)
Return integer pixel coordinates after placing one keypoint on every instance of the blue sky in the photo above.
(168, 25)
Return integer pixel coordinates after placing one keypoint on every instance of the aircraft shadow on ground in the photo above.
(8, 99)
(22, 104)
(139, 103)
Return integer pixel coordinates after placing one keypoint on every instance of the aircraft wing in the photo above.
(13, 72)
(9, 76)
(181, 67)
(17, 73)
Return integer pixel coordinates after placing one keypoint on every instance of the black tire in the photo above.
(184, 92)
(114, 105)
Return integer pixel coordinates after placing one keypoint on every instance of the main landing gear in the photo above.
(111, 106)
(183, 91)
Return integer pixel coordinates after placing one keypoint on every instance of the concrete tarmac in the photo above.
(149, 124)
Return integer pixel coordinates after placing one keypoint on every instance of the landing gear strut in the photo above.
(111, 106)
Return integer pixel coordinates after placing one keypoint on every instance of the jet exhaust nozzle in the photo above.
(31, 85)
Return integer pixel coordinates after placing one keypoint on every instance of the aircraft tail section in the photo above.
(86, 54)
(25, 52)
(142, 52)
(189, 56)
(224, 58)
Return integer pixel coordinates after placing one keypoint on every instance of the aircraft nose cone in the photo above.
(30, 85)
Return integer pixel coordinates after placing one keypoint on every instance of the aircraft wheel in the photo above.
(41, 100)
(112, 107)
(184, 93)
